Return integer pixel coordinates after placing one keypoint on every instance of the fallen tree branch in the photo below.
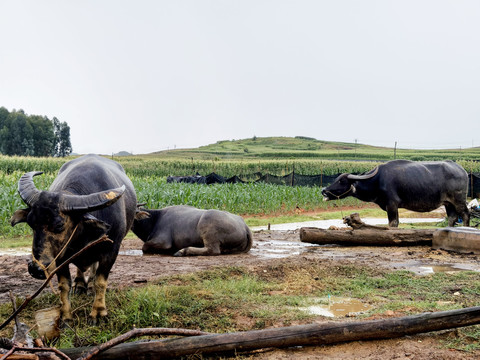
(314, 334)
(137, 333)
(20, 330)
(356, 223)
(66, 262)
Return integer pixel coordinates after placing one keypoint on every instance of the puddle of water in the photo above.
(423, 269)
(274, 253)
(131, 252)
(338, 307)
(439, 269)
(451, 267)
(277, 249)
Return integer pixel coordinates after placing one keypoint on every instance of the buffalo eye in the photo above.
(57, 226)
(344, 180)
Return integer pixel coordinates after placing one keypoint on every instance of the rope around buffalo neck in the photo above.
(339, 196)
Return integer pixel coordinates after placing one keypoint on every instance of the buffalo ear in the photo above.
(19, 216)
(95, 226)
(142, 215)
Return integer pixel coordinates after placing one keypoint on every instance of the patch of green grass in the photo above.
(15, 242)
(467, 339)
(320, 215)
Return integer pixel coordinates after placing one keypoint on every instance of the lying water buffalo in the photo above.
(417, 186)
(184, 230)
(90, 197)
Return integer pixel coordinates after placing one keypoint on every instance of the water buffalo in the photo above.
(184, 230)
(417, 186)
(91, 197)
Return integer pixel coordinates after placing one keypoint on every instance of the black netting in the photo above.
(474, 185)
(314, 180)
(196, 179)
(293, 179)
(271, 179)
(234, 180)
(213, 178)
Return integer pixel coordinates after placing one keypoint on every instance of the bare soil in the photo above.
(270, 248)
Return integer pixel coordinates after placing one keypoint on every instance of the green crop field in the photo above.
(244, 158)
(243, 199)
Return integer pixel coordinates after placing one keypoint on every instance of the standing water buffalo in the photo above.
(91, 197)
(417, 186)
(184, 230)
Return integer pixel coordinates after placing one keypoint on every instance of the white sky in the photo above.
(148, 75)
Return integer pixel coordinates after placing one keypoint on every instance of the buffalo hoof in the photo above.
(97, 321)
(180, 253)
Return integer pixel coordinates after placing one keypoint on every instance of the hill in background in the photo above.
(306, 147)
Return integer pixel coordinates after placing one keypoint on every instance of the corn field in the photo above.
(148, 175)
(148, 165)
(149, 178)
(243, 199)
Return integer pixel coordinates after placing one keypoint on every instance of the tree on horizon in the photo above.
(33, 135)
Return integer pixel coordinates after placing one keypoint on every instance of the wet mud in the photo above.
(132, 269)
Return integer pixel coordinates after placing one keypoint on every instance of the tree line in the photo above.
(33, 135)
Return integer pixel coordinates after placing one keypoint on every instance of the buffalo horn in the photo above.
(91, 202)
(363, 177)
(27, 189)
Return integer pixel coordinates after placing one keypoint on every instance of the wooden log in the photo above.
(360, 233)
(367, 237)
(301, 335)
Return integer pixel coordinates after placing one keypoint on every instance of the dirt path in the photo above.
(133, 269)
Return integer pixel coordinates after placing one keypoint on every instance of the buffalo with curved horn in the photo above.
(91, 197)
(416, 186)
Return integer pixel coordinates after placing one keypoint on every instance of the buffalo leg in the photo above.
(392, 213)
(454, 212)
(451, 214)
(466, 217)
(157, 245)
(64, 285)
(209, 249)
(91, 277)
(80, 283)
(465, 214)
(99, 308)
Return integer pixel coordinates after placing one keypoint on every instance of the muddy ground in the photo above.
(270, 247)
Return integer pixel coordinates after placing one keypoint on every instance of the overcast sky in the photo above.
(148, 75)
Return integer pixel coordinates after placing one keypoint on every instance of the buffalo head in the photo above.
(56, 218)
(344, 185)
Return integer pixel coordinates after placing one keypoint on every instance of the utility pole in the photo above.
(395, 151)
